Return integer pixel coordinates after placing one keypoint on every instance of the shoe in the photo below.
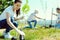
(7, 35)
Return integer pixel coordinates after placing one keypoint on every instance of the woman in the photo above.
(9, 17)
(58, 18)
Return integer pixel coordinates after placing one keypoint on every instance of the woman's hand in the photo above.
(54, 14)
(58, 21)
(20, 32)
(18, 18)
(22, 17)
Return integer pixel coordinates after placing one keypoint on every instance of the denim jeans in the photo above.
(3, 24)
(57, 25)
(30, 25)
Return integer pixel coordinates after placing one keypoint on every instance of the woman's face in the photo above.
(58, 11)
(17, 5)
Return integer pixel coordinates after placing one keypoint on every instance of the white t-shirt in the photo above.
(58, 17)
(31, 17)
(10, 11)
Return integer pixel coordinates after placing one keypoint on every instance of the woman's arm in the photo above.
(18, 18)
(55, 14)
(11, 24)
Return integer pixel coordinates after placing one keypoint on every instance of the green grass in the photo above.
(38, 33)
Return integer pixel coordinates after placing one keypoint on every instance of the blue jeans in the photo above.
(30, 25)
(3, 24)
(57, 25)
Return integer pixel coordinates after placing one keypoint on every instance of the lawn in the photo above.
(38, 33)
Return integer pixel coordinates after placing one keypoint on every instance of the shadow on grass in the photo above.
(1, 37)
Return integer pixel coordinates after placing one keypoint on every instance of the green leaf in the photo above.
(26, 7)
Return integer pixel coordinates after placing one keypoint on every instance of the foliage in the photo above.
(4, 4)
(26, 7)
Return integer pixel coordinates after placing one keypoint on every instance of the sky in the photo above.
(45, 7)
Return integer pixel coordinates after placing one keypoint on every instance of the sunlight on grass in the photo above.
(38, 33)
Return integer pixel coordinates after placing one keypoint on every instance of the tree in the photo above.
(26, 7)
(4, 4)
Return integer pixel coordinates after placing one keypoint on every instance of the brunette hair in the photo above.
(57, 8)
(17, 11)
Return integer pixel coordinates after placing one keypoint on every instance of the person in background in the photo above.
(32, 18)
(58, 17)
(9, 17)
